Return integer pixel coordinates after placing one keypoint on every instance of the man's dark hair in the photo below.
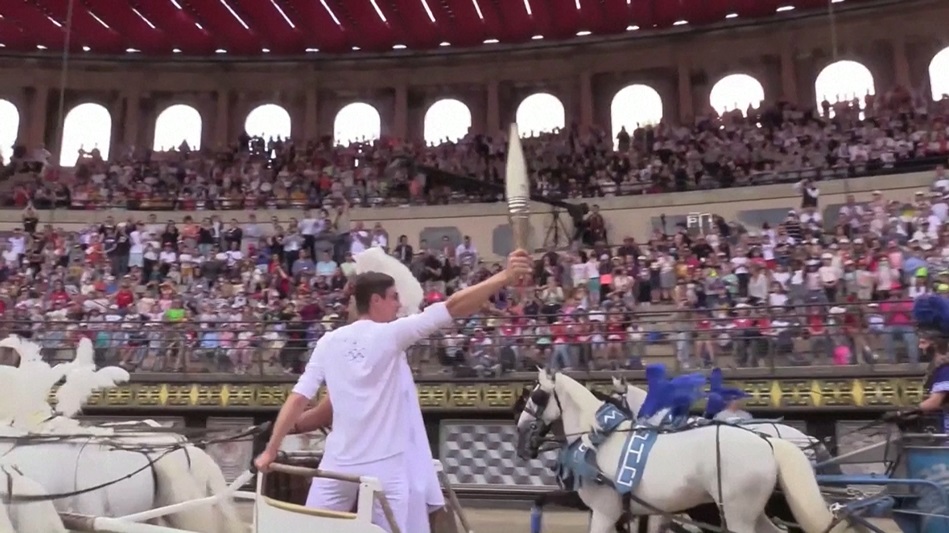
(369, 284)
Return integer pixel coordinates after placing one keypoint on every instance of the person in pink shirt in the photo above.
(898, 323)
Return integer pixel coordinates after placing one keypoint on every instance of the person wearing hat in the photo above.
(931, 314)
(935, 346)
(733, 406)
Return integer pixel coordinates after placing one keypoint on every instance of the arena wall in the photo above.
(895, 42)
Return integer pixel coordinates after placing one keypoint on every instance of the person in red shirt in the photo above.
(124, 297)
(59, 296)
(898, 324)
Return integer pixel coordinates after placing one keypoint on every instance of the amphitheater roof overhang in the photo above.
(256, 28)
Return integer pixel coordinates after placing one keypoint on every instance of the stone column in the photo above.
(586, 100)
(492, 124)
(311, 129)
(37, 114)
(789, 73)
(686, 111)
(221, 117)
(900, 64)
(132, 118)
(400, 116)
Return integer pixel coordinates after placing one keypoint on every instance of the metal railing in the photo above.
(484, 346)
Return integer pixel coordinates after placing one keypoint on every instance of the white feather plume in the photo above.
(83, 380)
(410, 291)
(33, 381)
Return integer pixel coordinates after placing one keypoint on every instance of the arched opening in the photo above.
(268, 121)
(939, 74)
(87, 127)
(9, 126)
(357, 122)
(446, 120)
(540, 113)
(635, 106)
(176, 125)
(736, 91)
(843, 81)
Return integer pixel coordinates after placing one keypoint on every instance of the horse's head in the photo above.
(541, 409)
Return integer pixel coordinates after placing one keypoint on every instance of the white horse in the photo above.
(635, 396)
(723, 464)
(135, 471)
(26, 517)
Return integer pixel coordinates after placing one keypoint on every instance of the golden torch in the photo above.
(517, 190)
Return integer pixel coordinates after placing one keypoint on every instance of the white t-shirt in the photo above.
(361, 365)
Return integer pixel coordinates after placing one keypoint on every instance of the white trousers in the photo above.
(392, 473)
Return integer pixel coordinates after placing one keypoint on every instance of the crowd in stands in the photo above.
(780, 142)
(184, 294)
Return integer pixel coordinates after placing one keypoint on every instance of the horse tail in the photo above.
(822, 454)
(206, 471)
(176, 484)
(797, 479)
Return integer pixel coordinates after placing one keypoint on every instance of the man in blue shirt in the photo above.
(935, 347)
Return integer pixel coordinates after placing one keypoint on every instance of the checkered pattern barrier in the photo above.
(477, 454)
(483, 453)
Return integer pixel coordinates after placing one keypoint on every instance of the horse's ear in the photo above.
(545, 378)
(616, 381)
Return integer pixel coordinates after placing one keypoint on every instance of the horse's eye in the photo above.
(540, 397)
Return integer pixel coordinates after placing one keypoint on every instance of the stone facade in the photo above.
(895, 40)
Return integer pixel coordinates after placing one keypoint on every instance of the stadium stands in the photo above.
(252, 297)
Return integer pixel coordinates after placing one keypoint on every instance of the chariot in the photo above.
(272, 512)
(912, 490)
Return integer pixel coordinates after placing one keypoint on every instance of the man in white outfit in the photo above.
(377, 425)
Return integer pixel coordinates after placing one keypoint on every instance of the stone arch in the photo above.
(447, 119)
(843, 80)
(939, 74)
(540, 113)
(9, 127)
(736, 91)
(176, 124)
(357, 121)
(268, 120)
(634, 106)
(87, 126)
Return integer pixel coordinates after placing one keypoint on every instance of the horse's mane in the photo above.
(521, 402)
(576, 391)
(612, 400)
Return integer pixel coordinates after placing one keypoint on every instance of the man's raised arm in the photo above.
(409, 330)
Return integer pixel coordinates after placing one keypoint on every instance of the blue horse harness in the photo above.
(577, 462)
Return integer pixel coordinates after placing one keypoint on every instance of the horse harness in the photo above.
(541, 399)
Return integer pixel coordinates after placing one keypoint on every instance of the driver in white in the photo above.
(372, 421)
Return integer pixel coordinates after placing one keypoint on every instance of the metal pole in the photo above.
(178, 507)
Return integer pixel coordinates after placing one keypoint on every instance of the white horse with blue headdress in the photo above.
(724, 404)
(611, 458)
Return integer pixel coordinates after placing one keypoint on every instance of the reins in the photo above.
(165, 450)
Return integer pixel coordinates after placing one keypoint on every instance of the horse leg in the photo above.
(765, 525)
(602, 523)
(607, 507)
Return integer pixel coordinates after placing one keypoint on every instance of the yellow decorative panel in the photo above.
(498, 396)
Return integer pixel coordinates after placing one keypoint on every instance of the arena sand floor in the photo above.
(486, 520)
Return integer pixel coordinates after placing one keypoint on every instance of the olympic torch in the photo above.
(517, 188)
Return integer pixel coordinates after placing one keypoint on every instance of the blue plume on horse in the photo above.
(714, 405)
(719, 395)
(658, 393)
(931, 311)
